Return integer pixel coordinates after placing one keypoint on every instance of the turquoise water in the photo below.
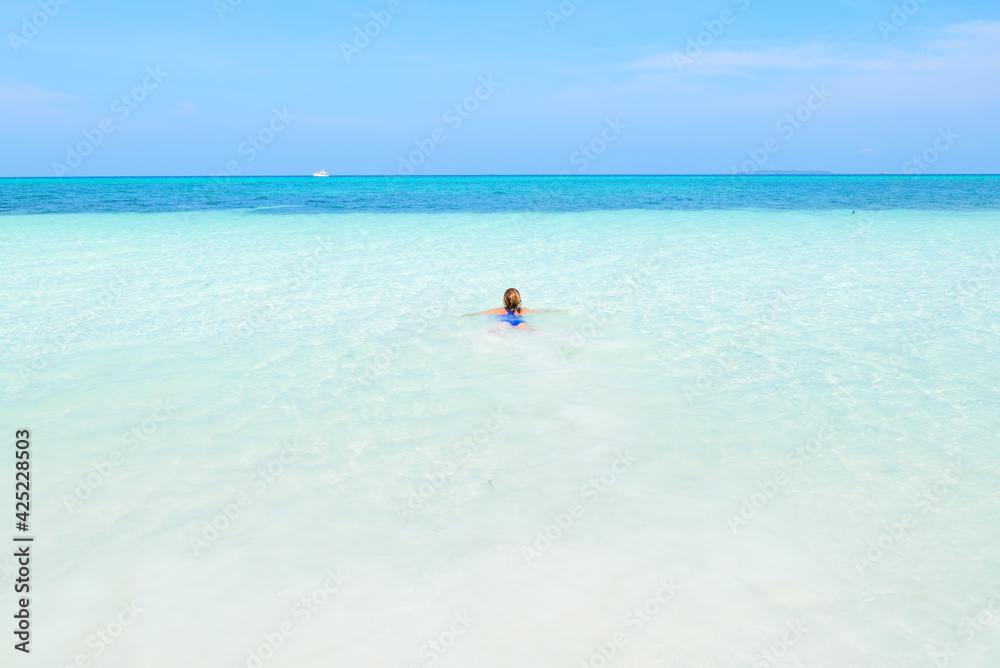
(275, 195)
(754, 435)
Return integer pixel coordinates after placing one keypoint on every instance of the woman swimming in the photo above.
(511, 311)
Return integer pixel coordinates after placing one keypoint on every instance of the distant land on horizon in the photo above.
(432, 176)
(786, 172)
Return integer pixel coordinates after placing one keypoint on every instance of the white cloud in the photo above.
(15, 92)
(727, 59)
(940, 49)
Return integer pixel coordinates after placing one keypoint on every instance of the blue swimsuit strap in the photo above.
(512, 318)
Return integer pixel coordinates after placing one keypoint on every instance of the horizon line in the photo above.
(791, 173)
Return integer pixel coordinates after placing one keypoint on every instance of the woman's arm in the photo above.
(550, 310)
(492, 311)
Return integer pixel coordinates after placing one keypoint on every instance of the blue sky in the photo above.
(597, 87)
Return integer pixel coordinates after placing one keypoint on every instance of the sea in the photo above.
(758, 425)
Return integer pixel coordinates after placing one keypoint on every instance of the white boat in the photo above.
(321, 172)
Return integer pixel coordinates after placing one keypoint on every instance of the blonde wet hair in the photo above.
(512, 301)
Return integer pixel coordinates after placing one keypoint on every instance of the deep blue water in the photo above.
(497, 194)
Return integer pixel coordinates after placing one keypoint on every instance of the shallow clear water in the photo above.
(781, 423)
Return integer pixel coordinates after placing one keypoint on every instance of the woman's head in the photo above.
(512, 300)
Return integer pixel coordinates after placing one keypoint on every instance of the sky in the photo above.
(261, 87)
